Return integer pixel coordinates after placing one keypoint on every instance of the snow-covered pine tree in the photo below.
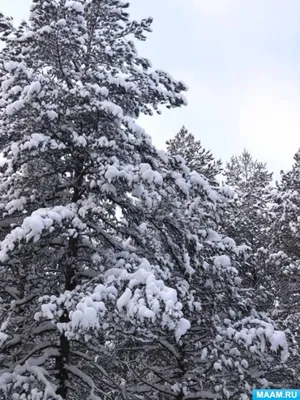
(113, 255)
(196, 156)
(247, 219)
(284, 253)
(250, 180)
(74, 157)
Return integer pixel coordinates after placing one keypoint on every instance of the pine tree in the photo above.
(250, 180)
(115, 283)
(247, 220)
(284, 254)
(286, 205)
(196, 157)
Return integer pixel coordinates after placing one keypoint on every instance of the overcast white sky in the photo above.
(241, 61)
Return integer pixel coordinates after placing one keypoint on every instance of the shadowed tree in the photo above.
(251, 181)
(196, 156)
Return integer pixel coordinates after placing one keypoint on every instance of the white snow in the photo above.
(89, 317)
(112, 173)
(278, 340)
(35, 140)
(189, 269)
(35, 87)
(51, 114)
(14, 107)
(9, 66)
(112, 108)
(213, 236)
(61, 22)
(16, 205)
(143, 227)
(32, 227)
(222, 261)
(182, 327)
(217, 366)
(237, 280)
(124, 299)
(149, 175)
(75, 5)
(145, 312)
(204, 354)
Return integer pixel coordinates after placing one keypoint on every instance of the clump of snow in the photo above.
(111, 173)
(10, 66)
(213, 236)
(278, 340)
(51, 114)
(16, 205)
(237, 280)
(189, 269)
(35, 140)
(61, 22)
(217, 366)
(75, 5)
(35, 87)
(182, 327)
(14, 107)
(112, 108)
(124, 299)
(87, 318)
(149, 175)
(222, 261)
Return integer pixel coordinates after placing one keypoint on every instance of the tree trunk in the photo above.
(64, 344)
(70, 284)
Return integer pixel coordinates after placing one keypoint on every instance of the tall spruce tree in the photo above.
(250, 180)
(115, 283)
(195, 155)
(247, 220)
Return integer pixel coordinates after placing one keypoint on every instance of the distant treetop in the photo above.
(196, 156)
